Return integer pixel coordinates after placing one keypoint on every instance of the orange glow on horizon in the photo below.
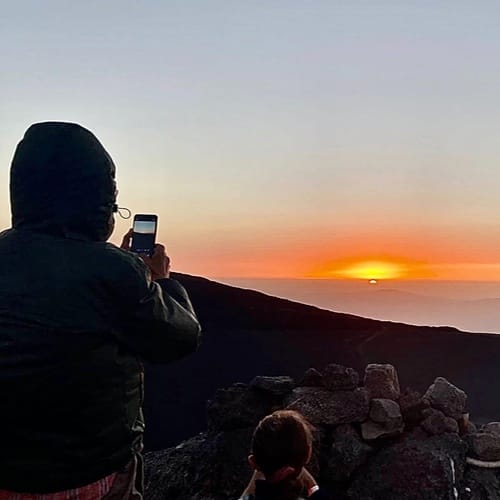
(325, 257)
(374, 268)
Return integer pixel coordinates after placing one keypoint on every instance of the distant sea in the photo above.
(467, 305)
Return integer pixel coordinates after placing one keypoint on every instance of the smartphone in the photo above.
(144, 233)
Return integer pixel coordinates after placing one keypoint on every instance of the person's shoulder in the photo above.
(7, 235)
(118, 254)
(120, 262)
(123, 271)
(115, 264)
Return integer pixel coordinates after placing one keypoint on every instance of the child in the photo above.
(281, 447)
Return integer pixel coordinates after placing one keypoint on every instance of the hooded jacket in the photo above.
(77, 317)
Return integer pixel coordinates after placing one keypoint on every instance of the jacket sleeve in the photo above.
(157, 322)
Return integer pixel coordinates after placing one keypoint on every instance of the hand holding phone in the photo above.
(159, 263)
(155, 256)
(144, 234)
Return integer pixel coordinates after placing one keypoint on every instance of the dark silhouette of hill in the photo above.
(248, 333)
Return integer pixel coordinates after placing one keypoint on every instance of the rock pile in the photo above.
(372, 441)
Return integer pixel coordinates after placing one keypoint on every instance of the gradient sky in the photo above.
(278, 138)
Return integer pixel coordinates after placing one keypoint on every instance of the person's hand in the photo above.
(158, 263)
(126, 239)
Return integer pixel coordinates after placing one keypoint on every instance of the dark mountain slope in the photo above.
(247, 333)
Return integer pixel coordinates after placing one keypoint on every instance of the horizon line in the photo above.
(352, 280)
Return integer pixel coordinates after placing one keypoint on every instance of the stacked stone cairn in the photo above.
(372, 441)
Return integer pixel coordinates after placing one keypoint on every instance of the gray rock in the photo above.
(436, 422)
(492, 427)
(237, 407)
(323, 407)
(386, 411)
(278, 386)
(311, 378)
(481, 484)
(428, 469)
(374, 430)
(412, 405)
(346, 454)
(203, 468)
(446, 397)
(485, 445)
(416, 434)
(340, 378)
(381, 381)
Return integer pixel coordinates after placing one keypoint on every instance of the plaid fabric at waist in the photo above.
(94, 491)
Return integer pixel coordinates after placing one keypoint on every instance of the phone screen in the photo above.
(143, 238)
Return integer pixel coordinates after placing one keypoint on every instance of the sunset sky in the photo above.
(279, 138)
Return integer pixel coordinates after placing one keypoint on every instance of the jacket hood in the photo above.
(62, 181)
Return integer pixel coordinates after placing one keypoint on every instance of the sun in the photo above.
(372, 270)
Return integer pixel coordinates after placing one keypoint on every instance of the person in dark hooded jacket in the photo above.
(78, 315)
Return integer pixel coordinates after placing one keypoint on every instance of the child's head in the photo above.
(281, 445)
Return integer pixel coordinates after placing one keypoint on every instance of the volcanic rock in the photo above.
(413, 470)
(202, 468)
(381, 462)
(481, 484)
(340, 378)
(485, 445)
(446, 397)
(239, 406)
(347, 453)
(492, 427)
(312, 378)
(373, 430)
(381, 381)
(412, 405)
(321, 406)
(278, 386)
(436, 422)
(386, 411)
(386, 420)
